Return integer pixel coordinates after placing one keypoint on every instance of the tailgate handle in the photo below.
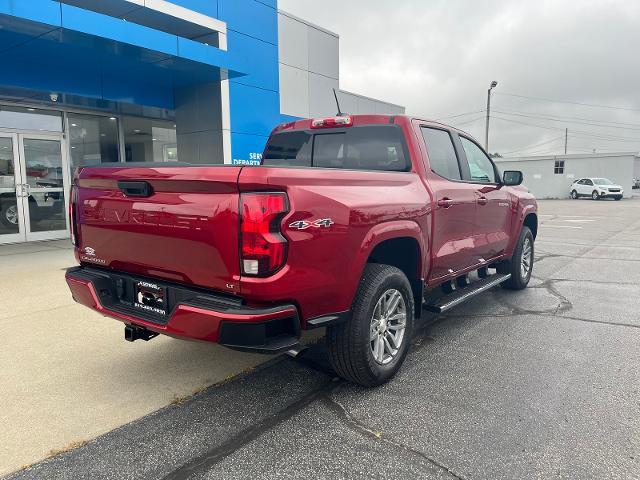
(135, 189)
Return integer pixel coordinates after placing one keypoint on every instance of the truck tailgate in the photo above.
(184, 228)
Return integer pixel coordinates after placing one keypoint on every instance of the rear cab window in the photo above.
(368, 147)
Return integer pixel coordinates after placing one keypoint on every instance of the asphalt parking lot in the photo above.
(542, 383)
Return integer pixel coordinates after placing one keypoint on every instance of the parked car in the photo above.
(596, 188)
(354, 223)
(41, 205)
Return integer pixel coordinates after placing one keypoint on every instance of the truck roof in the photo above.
(359, 120)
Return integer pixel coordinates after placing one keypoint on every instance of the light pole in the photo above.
(493, 85)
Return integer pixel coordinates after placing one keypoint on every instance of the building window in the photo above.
(558, 169)
(26, 118)
(93, 139)
(149, 140)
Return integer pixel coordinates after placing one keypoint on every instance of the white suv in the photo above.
(596, 188)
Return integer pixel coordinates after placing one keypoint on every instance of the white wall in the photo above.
(309, 59)
(540, 178)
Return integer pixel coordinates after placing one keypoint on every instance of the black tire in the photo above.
(350, 344)
(574, 194)
(5, 210)
(595, 196)
(519, 280)
(618, 199)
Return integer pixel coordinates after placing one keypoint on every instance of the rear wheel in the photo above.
(521, 264)
(595, 196)
(370, 348)
(574, 194)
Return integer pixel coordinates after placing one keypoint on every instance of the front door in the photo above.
(493, 211)
(33, 180)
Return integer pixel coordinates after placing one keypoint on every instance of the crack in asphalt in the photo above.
(211, 458)
(359, 427)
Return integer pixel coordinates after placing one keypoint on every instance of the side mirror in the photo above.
(511, 178)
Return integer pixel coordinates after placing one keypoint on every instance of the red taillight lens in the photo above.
(332, 122)
(73, 224)
(264, 249)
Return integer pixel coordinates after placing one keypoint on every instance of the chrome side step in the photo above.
(461, 295)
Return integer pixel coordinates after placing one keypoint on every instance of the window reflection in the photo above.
(93, 139)
(149, 140)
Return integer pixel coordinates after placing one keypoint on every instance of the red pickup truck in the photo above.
(354, 223)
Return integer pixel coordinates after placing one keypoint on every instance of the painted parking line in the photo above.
(559, 226)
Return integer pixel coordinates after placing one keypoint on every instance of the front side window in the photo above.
(558, 168)
(442, 155)
(372, 147)
(480, 167)
(588, 182)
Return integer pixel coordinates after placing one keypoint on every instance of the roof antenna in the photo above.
(340, 114)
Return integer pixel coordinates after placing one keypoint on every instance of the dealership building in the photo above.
(88, 82)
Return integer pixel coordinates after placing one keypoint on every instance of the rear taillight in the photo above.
(332, 122)
(264, 249)
(73, 222)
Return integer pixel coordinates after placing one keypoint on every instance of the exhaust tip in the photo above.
(296, 351)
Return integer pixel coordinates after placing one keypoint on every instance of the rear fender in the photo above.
(381, 233)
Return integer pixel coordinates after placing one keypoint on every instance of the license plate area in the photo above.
(150, 297)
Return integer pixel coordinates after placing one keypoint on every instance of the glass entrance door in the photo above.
(34, 207)
(11, 227)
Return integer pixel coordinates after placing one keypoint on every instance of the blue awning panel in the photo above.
(46, 45)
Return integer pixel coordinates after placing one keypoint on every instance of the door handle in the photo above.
(482, 201)
(445, 202)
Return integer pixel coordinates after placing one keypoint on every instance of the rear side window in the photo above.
(372, 147)
(442, 155)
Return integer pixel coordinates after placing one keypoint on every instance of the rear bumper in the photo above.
(196, 315)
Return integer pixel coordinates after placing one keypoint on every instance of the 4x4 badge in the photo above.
(303, 225)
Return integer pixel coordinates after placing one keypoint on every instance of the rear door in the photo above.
(455, 204)
(587, 188)
(493, 212)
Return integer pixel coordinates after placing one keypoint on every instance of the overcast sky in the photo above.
(438, 57)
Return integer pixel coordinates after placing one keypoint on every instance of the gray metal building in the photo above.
(309, 58)
(551, 176)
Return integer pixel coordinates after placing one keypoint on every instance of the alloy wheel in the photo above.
(527, 258)
(388, 325)
(11, 214)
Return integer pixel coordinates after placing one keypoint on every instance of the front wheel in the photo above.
(371, 346)
(9, 215)
(618, 198)
(595, 196)
(574, 194)
(521, 264)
